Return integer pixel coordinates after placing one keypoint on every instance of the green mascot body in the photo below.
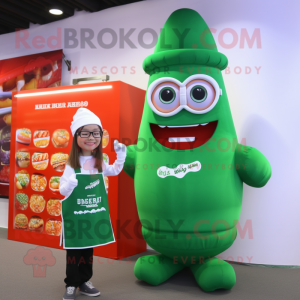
(187, 166)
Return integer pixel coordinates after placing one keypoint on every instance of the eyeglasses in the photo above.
(198, 94)
(87, 134)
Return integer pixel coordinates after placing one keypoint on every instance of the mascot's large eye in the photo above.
(165, 97)
(200, 94)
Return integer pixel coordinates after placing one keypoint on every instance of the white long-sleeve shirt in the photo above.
(87, 167)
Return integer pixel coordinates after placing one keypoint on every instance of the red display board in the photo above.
(34, 198)
(36, 71)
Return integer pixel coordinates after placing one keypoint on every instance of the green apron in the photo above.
(85, 214)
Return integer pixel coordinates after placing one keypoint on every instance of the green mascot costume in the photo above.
(187, 166)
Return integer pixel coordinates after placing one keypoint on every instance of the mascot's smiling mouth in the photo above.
(183, 137)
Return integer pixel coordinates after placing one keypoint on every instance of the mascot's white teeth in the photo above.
(163, 126)
(181, 139)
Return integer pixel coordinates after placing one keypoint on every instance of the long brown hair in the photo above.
(73, 160)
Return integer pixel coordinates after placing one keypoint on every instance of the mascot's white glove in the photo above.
(120, 149)
(72, 182)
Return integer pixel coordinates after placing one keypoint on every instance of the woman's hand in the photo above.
(72, 182)
(120, 149)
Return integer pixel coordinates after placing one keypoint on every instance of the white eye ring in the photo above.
(183, 100)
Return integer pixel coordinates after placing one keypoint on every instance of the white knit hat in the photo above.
(84, 117)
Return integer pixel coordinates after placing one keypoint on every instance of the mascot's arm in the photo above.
(129, 166)
(254, 168)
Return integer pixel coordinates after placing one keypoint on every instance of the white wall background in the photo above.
(265, 105)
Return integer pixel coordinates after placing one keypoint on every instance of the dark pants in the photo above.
(79, 266)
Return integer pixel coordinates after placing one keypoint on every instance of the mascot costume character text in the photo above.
(187, 166)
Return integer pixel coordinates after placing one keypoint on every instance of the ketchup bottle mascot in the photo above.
(189, 175)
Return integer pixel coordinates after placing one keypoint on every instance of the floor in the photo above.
(115, 280)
